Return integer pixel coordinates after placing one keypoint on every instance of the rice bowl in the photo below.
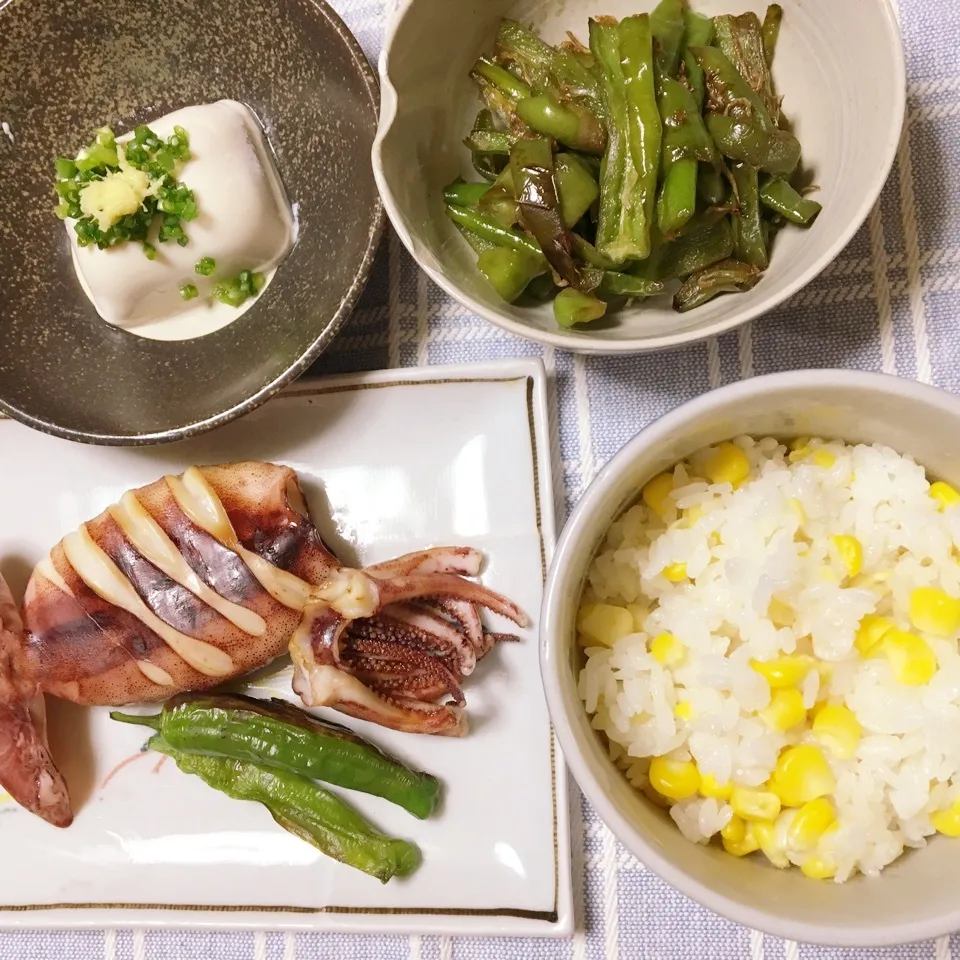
(770, 640)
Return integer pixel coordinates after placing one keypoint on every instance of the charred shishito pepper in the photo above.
(304, 809)
(275, 734)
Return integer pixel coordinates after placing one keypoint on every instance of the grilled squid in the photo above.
(198, 579)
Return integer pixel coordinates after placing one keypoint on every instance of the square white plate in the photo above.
(390, 462)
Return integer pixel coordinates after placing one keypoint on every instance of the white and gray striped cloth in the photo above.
(889, 303)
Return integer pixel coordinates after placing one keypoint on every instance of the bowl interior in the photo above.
(846, 103)
(120, 62)
(918, 896)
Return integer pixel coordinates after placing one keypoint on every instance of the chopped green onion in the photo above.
(66, 169)
(173, 201)
(205, 266)
(150, 251)
(188, 291)
(237, 291)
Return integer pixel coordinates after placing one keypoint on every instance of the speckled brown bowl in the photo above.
(67, 68)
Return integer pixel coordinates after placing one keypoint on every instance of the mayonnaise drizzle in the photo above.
(199, 501)
(49, 572)
(101, 575)
(155, 674)
(152, 542)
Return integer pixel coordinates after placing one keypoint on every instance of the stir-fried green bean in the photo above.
(657, 154)
(781, 198)
(771, 31)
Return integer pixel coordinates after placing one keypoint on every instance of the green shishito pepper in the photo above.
(274, 733)
(304, 809)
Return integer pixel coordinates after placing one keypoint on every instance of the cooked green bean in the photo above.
(620, 224)
(509, 271)
(706, 241)
(546, 68)
(667, 27)
(502, 79)
(571, 307)
(729, 89)
(646, 128)
(462, 194)
(489, 141)
(780, 197)
(699, 33)
(489, 229)
(616, 284)
(488, 165)
(775, 151)
(710, 185)
(685, 141)
(730, 276)
(771, 31)
(741, 40)
(500, 204)
(748, 242)
(576, 185)
(573, 124)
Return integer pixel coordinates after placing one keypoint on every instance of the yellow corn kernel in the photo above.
(754, 805)
(944, 494)
(693, 514)
(802, 774)
(674, 779)
(639, 613)
(606, 624)
(735, 829)
(810, 823)
(710, 788)
(781, 614)
(657, 799)
(785, 671)
(656, 494)
(934, 611)
(737, 839)
(828, 576)
(684, 710)
(727, 464)
(785, 709)
(819, 868)
(823, 459)
(838, 730)
(799, 449)
(826, 671)
(871, 631)
(668, 650)
(676, 572)
(765, 835)
(911, 658)
(851, 553)
(947, 821)
(797, 507)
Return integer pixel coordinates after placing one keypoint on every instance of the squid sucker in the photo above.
(200, 578)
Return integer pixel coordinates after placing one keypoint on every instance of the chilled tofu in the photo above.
(244, 223)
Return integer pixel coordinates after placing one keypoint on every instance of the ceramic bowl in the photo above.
(846, 99)
(66, 70)
(916, 897)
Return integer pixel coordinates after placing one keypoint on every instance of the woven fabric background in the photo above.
(889, 303)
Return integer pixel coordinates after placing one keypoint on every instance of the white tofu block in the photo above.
(244, 222)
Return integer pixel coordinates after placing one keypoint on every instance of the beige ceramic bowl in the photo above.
(846, 98)
(916, 897)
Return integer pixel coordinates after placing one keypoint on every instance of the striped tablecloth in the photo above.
(890, 302)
